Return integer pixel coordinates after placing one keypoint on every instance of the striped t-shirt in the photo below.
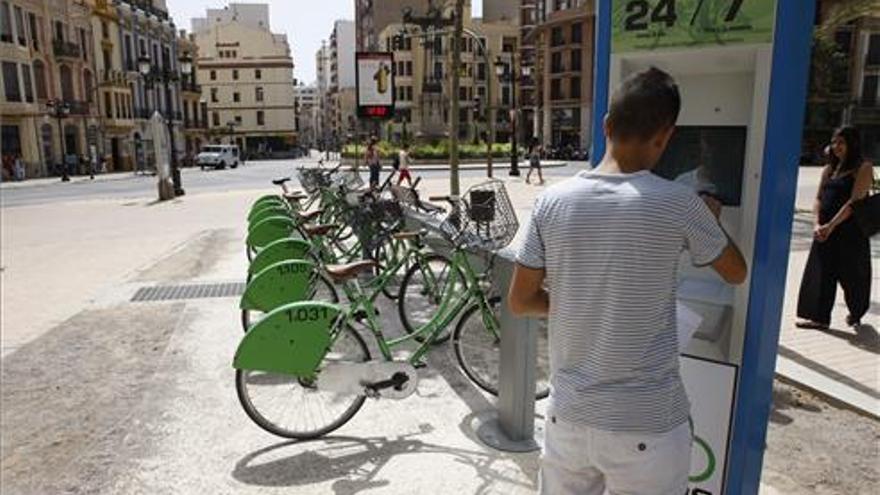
(610, 245)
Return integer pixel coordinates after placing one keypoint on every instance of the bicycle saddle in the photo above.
(316, 230)
(311, 215)
(295, 195)
(409, 234)
(349, 270)
(280, 180)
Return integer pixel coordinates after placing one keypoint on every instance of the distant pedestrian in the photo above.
(535, 164)
(371, 158)
(840, 254)
(18, 169)
(403, 161)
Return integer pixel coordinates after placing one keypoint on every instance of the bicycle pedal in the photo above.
(420, 365)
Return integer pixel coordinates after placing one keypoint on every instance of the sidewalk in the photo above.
(840, 362)
(74, 179)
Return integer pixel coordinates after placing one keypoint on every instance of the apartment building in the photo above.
(308, 108)
(195, 111)
(423, 82)
(323, 127)
(373, 16)
(562, 39)
(46, 57)
(341, 80)
(246, 73)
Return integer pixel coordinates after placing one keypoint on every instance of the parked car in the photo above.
(218, 156)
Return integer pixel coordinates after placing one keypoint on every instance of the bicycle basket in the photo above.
(349, 179)
(404, 196)
(486, 218)
(310, 179)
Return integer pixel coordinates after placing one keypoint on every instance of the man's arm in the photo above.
(705, 232)
(527, 296)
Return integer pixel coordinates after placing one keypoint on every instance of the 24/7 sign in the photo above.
(645, 25)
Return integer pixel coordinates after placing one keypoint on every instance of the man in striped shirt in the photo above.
(601, 258)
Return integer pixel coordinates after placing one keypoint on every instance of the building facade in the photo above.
(844, 87)
(563, 63)
(195, 109)
(423, 82)
(341, 82)
(47, 58)
(147, 35)
(308, 108)
(373, 16)
(246, 73)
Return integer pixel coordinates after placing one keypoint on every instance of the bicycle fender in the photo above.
(277, 251)
(264, 213)
(268, 230)
(278, 284)
(265, 200)
(292, 339)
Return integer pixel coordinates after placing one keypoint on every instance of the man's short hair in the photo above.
(643, 105)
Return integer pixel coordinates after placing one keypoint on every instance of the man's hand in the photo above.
(713, 204)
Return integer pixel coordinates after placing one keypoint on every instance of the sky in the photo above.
(306, 23)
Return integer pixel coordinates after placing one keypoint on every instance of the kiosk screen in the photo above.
(710, 159)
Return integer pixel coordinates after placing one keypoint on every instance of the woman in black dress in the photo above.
(840, 252)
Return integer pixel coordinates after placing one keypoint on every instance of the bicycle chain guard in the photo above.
(375, 379)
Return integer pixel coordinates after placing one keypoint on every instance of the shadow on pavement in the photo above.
(865, 337)
(355, 463)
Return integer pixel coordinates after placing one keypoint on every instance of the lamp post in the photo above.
(60, 109)
(507, 72)
(146, 70)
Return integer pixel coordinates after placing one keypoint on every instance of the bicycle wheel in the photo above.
(478, 351)
(323, 290)
(291, 407)
(422, 290)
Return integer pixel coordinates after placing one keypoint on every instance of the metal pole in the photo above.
(64, 176)
(456, 81)
(490, 112)
(514, 152)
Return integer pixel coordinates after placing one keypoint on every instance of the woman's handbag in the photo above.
(867, 214)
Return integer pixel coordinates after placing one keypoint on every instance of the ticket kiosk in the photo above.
(741, 67)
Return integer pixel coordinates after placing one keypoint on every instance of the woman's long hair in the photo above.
(853, 150)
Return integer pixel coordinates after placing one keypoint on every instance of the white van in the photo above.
(218, 156)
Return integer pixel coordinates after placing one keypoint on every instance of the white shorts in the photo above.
(586, 461)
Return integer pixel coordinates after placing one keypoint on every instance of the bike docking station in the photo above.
(741, 67)
(510, 427)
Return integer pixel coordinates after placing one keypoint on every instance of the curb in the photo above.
(473, 166)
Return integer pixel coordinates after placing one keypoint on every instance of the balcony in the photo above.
(188, 87)
(78, 107)
(113, 77)
(65, 49)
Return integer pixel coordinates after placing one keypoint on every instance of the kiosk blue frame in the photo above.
(785, 113)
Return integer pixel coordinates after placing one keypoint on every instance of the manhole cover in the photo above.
(188, 291)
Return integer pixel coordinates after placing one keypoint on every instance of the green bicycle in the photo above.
(303, 371)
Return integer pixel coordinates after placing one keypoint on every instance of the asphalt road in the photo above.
(252, 175)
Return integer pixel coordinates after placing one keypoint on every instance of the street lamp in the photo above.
(146, 69)
(60, 109)
(506, 72)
